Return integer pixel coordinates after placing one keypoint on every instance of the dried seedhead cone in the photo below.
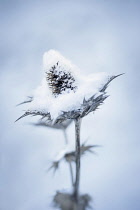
(60, 81)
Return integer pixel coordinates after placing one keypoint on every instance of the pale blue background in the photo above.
(97, 36)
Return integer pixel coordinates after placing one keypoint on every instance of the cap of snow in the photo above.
(53, 57)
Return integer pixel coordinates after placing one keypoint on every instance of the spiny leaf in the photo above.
(27, 101)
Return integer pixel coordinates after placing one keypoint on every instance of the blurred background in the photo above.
(97, 36)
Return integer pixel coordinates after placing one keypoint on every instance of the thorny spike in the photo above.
(54, 166)
(27, 101)
(22, 116)
(34, 113)
(112, 78)
(84, 101)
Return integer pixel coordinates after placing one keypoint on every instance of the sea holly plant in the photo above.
(65, 94)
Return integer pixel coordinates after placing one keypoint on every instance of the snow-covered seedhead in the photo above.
(59, 73)
(65, 93)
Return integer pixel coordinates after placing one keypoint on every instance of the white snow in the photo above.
(67, 149)
(53, 57)
(44, 101)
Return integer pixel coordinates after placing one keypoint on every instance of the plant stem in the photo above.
(65, 136)
(71, 173)
(70, 166)
(77, 155)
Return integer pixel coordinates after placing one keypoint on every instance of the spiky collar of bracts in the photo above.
(85, 108)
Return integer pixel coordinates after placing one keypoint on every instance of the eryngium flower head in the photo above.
(60, 73)
(68, 154)
(65, 93)
(60, 81)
